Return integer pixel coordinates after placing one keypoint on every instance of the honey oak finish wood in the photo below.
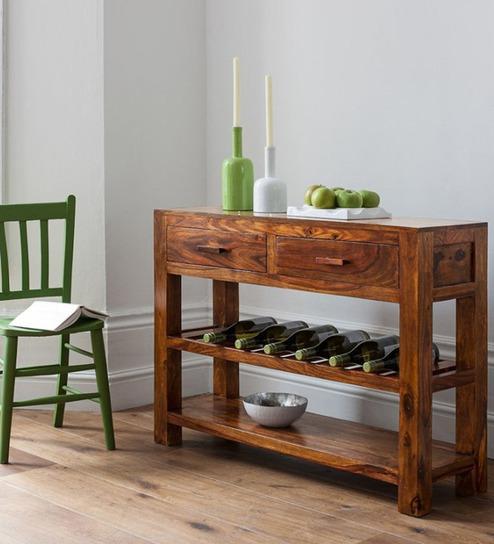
(214, 248)
(168, 362)
(225, 311)
(412, 262)
(415, 430)
(356, 262)
(471, 349)
(444, 375)
(211, 491)
(336, 443)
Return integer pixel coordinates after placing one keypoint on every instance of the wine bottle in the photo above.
(336, 343)
(274, 333)
(245, 327)
(391, 359)
(301, 339)
(365, 351)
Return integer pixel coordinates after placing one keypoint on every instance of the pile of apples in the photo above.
(320, 196)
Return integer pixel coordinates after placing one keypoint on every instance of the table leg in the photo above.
(471, 399)
(167, 362)
(225, 312)
(415, 433)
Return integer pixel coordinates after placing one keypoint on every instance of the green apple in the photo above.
(308, 193)
(370, 198)
(335, 189)
(323, 197)
(349, 199)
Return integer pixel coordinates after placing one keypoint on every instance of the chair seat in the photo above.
(84, 324)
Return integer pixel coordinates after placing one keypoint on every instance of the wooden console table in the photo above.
(411, 262)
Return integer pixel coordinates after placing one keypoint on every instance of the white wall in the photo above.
(393, 96)
(54, 145)
(155, 117)
(155, 157)
(54, 116)
(106, 99)
(396, 96)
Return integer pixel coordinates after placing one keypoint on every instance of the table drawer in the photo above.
(352, 262)
(217, 248)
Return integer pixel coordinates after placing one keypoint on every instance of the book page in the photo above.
(95, 314)
(48, 316)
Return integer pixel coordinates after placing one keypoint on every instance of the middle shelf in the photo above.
(444, 374)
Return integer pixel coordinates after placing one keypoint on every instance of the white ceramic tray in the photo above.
(348, 214)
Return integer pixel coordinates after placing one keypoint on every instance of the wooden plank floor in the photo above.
(64, 487)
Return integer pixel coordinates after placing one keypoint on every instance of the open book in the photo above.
(53, 316)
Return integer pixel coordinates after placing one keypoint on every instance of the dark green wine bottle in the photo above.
(240, 329)
(304, 338)
(391, 359)
(336, 343)
(365, 351)
(274, 333)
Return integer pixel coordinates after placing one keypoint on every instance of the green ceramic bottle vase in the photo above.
(237, 177)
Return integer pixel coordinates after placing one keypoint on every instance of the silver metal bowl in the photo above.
(275, 409)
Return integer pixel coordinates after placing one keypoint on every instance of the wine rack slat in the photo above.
(444, 374)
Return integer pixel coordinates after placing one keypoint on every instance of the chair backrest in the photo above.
(21, 214)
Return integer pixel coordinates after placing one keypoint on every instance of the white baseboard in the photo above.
(133, 385)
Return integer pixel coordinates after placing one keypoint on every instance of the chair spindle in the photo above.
(45, 255)
(4, 260)
(24, 254)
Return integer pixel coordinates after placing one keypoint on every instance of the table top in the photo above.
(415, 223)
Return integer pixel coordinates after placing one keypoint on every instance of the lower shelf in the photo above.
(343, 445)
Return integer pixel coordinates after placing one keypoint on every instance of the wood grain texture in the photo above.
(362, 263)
(453, 236)
(20, 461)
(211, 213)
(387, 539)
(453, 264)
(46, 522)
(168, 320)
(332, 442)
(162, 502)
(451, 292)
(341, 288)
(415, 459)
(387, 382)
(242, 251)
(413, 262)
(305, 229)
(225, 312)
(263, 496)
(471, 355)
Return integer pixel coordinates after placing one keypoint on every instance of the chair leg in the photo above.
(62, 381)
(98, 347)
(7, 397)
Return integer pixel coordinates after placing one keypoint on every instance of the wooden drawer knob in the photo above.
(211, 249)
(331, 261)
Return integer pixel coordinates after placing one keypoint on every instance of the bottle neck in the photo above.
(212, 337)
(274, 347)
(340, 360)
(237, 142)
(303, 353)
(380, 364)
(245, 343)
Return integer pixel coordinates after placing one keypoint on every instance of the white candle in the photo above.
(236, 92)
(269, 111)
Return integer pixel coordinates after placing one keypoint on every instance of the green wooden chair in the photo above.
(42, 213)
